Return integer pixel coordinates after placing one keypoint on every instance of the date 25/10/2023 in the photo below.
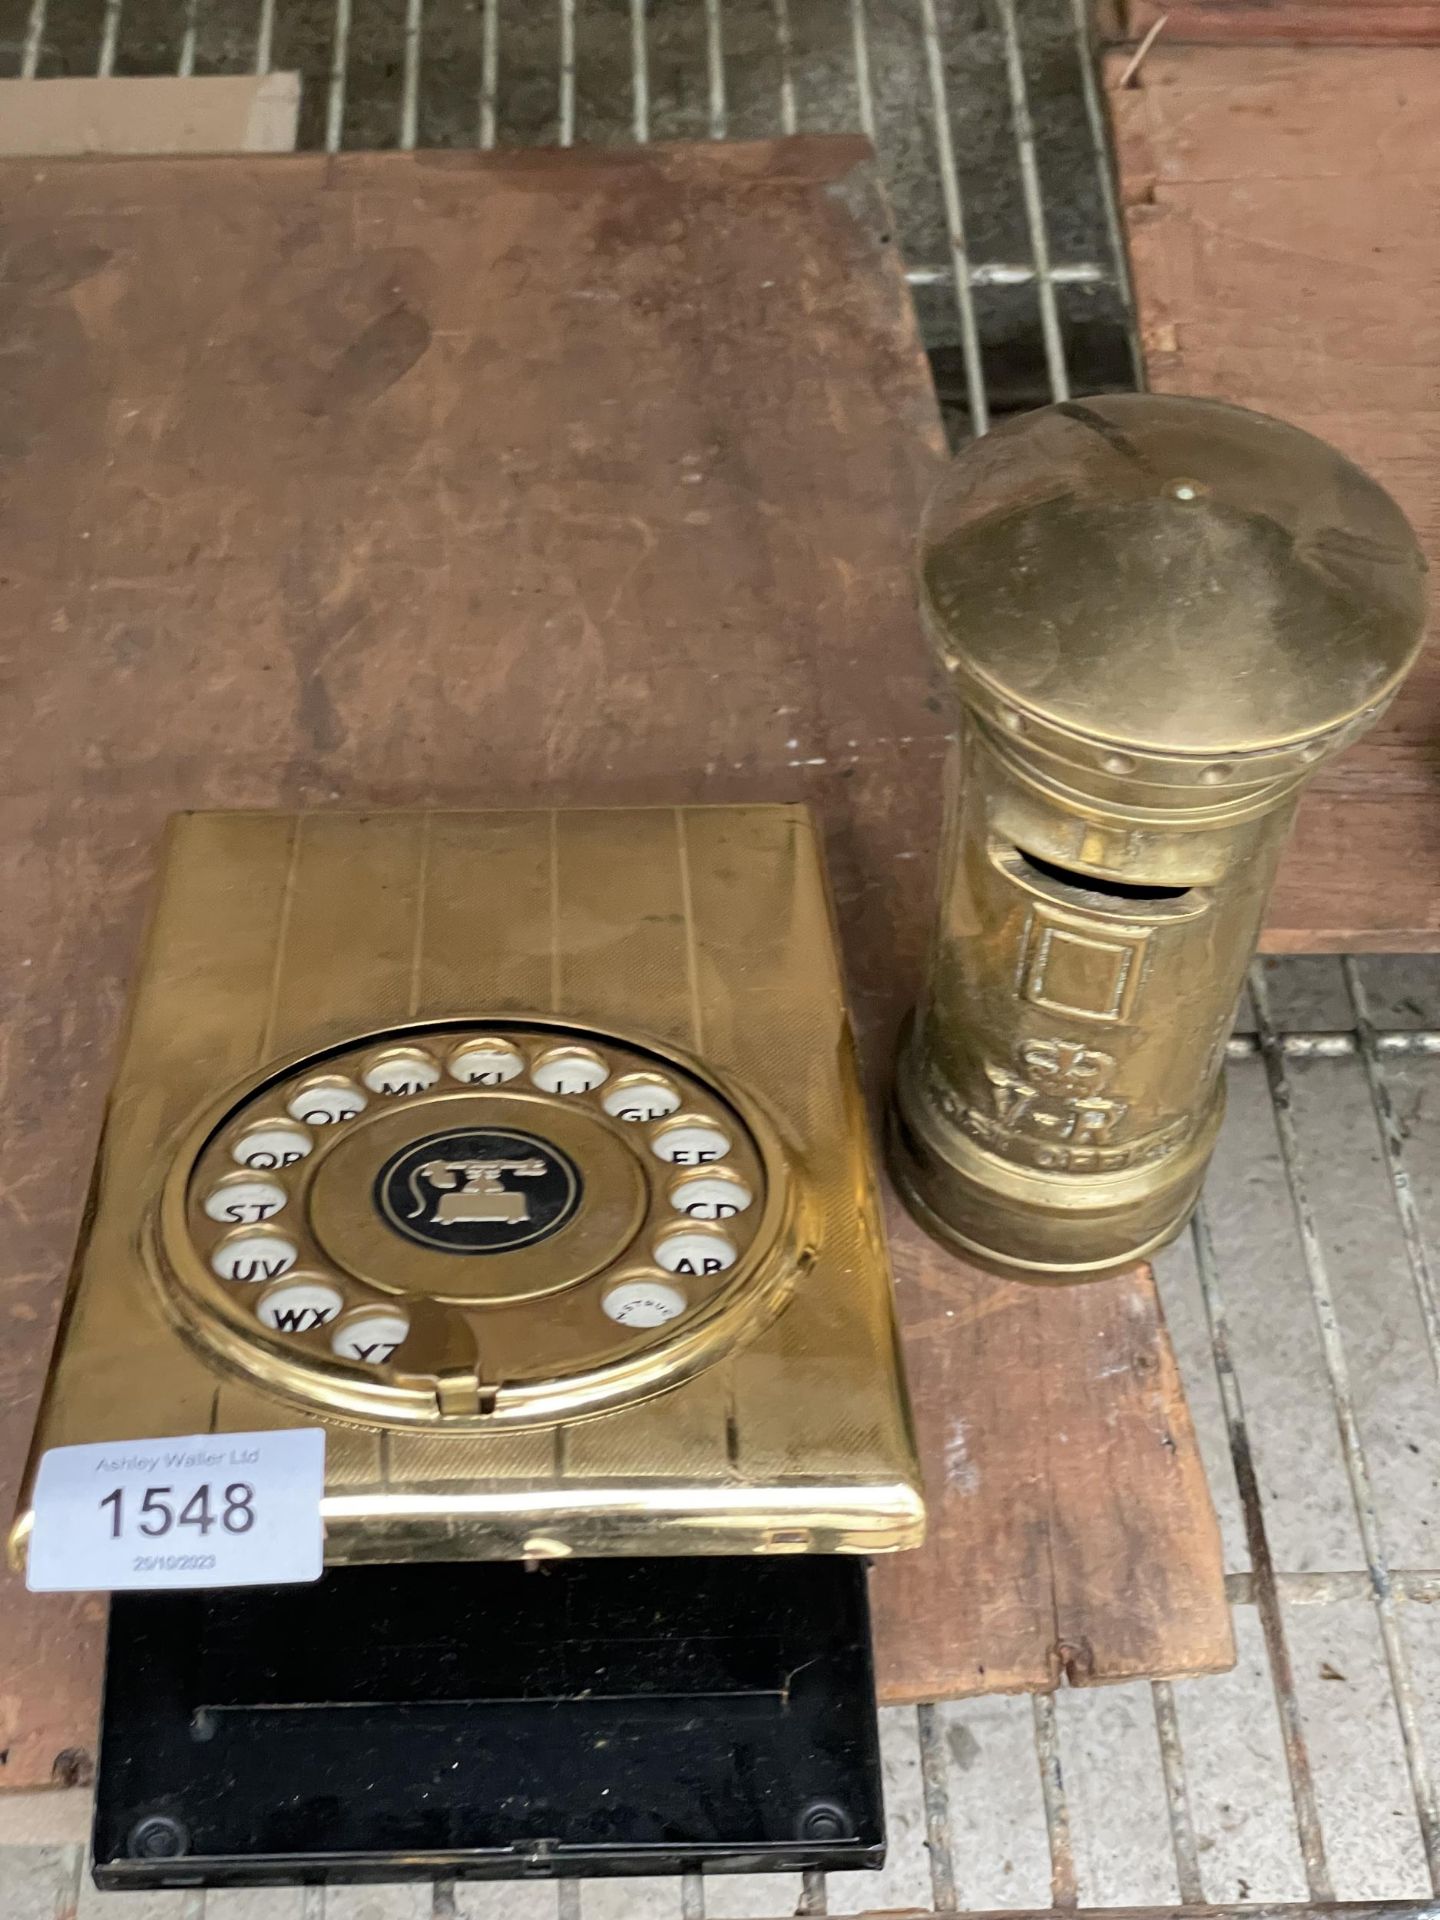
(252, 1501)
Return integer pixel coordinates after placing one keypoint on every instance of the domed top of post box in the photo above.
(1169, 592)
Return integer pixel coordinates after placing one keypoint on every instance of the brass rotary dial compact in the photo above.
(522, 1156)
(473, 1227)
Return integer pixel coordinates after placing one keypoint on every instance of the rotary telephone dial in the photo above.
(477, 1224)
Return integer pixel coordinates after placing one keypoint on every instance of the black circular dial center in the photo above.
(478, 1190)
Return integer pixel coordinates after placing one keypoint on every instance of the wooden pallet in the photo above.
(471, 481)
(1283, 212)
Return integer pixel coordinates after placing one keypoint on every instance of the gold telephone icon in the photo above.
(472, 1190)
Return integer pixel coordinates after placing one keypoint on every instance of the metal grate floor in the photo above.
(1304, 1304)
(985, 113)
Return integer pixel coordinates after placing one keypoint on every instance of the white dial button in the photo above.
(643, 1303)
(693, 1143)
(325, 1103)
(371, 1338)
(711, 1196)
(695, 1253)
(253, 1256)
(404, 1071)
(299, 1306)
(486, 1063)
(244, 1203)
(642, 1098)
(267, 1147)
(570, 1070)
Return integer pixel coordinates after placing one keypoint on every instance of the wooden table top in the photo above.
(453, 480)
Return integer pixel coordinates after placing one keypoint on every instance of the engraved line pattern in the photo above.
(554, 911)
(692, 962)
(422, 882)
(282, 932)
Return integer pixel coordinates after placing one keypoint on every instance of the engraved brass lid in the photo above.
(1171, 588)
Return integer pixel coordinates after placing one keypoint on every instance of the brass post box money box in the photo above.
(1160, 615)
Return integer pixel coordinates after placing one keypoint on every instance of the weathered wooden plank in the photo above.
(1280, 22)
(151, 113)
(1283, 268)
